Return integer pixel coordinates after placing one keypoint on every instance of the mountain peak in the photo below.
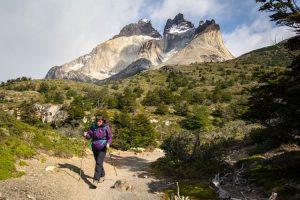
(143, 27)
(142, 21)
(177, 25)
(208, 25)
(179, 17)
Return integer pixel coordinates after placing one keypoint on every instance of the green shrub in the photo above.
(22, 163)
(23, 151)
(134, 131)
(181, 108)
(269, 136)
(197, 120)
(7, 165)
(161, 109)
(127, 101)
(138, 91)
(44, 87)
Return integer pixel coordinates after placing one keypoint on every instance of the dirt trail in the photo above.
(62, 182)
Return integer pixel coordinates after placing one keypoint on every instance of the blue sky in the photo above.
(36, 35)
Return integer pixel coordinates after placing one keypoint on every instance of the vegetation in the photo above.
(194, 190)
(19, 140)
(133, 131)
(284, 12)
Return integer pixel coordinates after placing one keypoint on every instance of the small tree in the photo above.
(44, 87)
(284, 12)
(127, 101)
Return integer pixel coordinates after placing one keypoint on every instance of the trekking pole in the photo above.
(112, 162)
(83, 148)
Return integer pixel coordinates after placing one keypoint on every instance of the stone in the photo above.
(29, 196)
(273, 196)
(167, 123)
(159, 150)
(50, 168)
(122, 185)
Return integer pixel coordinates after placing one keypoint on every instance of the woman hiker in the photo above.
(101, 136)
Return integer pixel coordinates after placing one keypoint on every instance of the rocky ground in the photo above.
(54, 178)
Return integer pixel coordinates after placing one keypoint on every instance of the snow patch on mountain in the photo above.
(179, 29)
(146, 20)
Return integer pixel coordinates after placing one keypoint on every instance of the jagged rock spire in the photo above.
(208, 25)
(178, 24)
(143, 27)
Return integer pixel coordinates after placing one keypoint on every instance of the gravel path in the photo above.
(63, 183)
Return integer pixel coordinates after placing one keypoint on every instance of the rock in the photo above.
(122, 185)
(159, 150)
(153, 120)
(178, 24)
(132, 69)
(145, 176)
(143, 27)
(273, 196)
(167, 123)
(224, 195)
(50, 168)
(138, 150)
(206, 26)
(31, 197)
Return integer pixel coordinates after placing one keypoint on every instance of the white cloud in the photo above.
(195, 8)
(256, 35)
(37, 35)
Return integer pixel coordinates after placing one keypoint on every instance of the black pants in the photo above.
(99, 158)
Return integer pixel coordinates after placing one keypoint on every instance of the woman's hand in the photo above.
(85, 134)
(107, 146)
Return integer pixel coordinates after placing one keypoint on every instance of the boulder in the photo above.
(122, 185)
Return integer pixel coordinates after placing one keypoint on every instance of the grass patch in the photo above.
(273, 174)
(7, 165)
(43, 160)
(194, 190)
(22, 163)
(250, 159)
(198, 169)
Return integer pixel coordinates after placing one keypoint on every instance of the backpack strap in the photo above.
(105, 130)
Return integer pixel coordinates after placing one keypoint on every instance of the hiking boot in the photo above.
(95, 184)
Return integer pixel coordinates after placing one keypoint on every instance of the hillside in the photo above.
(194, 112)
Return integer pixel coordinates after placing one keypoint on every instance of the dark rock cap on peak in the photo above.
(208, 25)
(143, 27)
